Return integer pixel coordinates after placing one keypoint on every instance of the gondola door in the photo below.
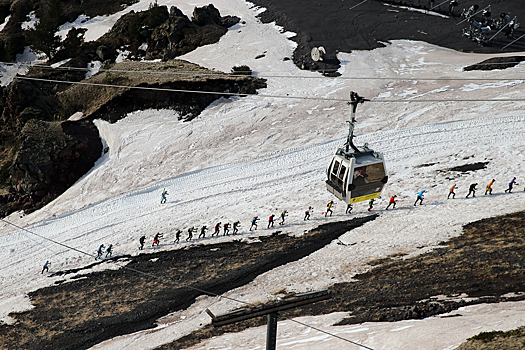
(338, 173)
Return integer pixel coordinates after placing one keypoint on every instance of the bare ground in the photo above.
(101, 305)
(485, 263)
(344, 26)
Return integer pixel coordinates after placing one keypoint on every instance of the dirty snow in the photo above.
(259, 155)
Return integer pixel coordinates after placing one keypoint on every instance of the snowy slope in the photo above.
(259, 155)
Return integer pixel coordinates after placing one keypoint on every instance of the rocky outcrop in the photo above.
(41, 155)
(180, 35)
(23, 100)
(52, 156)
(112, 104)
(13, 39)
(168, 33)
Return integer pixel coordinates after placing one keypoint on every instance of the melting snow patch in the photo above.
(58, 64)
(2, 26)
(93, 68)
(472, 86)
(66, 27)
(237, 138)
(76, 116)
(407, 93)
(426, 12)
(400, 328)
(122, 55)
(33, 21)
(309, 340)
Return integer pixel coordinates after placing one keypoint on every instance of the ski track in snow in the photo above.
(278, 171)
(224, 185)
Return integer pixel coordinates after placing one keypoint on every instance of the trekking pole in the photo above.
(499, 31)
(438, 5)
(504, 47)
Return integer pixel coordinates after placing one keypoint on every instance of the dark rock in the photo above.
(105, 53)
(176, 12)
(51, 158)
(206, 15)
(10, 46)
(24, 100)
(229, 21)
(34, 168)
(146, 33)
(178, 35)
(496, 63)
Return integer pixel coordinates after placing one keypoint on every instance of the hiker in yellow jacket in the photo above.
(489, 187)
(329, 208)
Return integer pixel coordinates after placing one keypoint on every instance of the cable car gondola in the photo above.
(356, 174)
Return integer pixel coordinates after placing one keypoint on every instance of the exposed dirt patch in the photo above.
(81, 313)
(343, 26)
(485, 263)
(425, 165)
(496, 63)
(469, 167)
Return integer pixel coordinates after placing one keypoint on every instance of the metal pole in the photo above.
(271, 331)
(504, 47)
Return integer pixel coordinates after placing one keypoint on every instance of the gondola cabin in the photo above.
(356, 174)
(356, 177)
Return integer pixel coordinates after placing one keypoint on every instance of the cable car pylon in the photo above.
(355, 173)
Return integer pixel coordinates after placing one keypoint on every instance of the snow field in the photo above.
(259, 155)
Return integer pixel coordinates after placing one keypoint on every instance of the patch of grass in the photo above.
(486, 337)
(111, 79)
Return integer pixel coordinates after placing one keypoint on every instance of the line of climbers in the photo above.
(392, 202)
(226, 226)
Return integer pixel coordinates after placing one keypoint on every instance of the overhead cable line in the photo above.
(353, 7)
(205, 74)
(320, 330)
(231, 94)
(124, 266)
(169, 281)
(438, 5)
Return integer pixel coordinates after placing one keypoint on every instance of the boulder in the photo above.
(206, 15)
(52, 156)
(228, 21)
(178, 36)
(24, 100)
(105, 53)
(176, 12)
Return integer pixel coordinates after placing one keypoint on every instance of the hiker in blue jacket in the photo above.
(419, 198)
